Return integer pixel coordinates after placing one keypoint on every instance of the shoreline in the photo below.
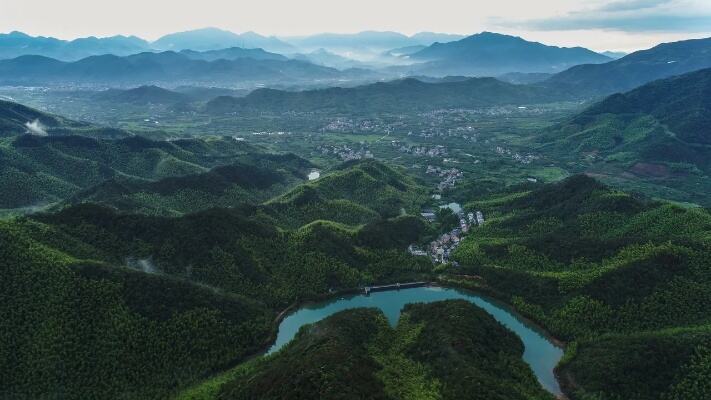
(487, 294)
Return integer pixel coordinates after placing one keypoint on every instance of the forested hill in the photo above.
(41, 170)
(395, 96)
(659, 131)
(253, 179)
(626, 282)
(357, 192)
(15, 119)
(638, 68)
(448, 350)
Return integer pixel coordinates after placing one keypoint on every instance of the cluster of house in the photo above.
(345, 153)
(449, 176)
(441, 249)
(420, 151)
(522, 158)
(347, 125)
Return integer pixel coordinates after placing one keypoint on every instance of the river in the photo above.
(540, 353)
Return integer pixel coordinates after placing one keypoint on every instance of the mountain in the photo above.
(623, 280)
(395, 96)
(495, 54)
(254, 178)
(636, 69)
(15, 44)
(42, 170)
(217, 39)
(232, 53)
(442, 350)
(166, 68)
(657, 131)
(142, 95)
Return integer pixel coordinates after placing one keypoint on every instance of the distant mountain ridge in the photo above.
(490, 53)
(216, 39)
(166, 68)
(638, 68)
(15, 44)
(394, 96)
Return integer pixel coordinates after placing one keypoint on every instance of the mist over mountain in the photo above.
(638, 68)
(215, 39)
(493, 54)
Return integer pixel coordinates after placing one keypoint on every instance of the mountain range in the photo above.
(15, 44)
(491, 54)
(636, 69)
(168, 67)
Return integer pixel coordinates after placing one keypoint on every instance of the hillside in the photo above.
(39, 170)
(394, 96)
(89, 330)
(616, 277)
(657, 131)
(492, 54)
(253, 179)
(636, 69)
(356, 193)
(448, 350)
(15, 118)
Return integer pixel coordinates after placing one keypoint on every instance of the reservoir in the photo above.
(540, 353)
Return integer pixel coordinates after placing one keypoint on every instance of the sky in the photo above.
(597, 24)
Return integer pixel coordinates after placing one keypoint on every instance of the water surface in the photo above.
(540, 353)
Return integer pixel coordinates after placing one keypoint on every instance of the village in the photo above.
(441, 249)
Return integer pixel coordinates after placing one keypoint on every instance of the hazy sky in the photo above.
(598, 24)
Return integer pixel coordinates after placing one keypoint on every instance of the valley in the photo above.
(218, 216)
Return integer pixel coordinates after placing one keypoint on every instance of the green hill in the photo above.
(356, 193)
(40, 170)
(616, 276)
(253, 179)
(658, 131)
(395, 96)
(448, 350)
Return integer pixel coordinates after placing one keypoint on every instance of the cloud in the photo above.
(629, 16)
(641, 23)
(36, 128)
(630, 5)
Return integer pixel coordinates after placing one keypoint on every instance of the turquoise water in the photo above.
(540, 353)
